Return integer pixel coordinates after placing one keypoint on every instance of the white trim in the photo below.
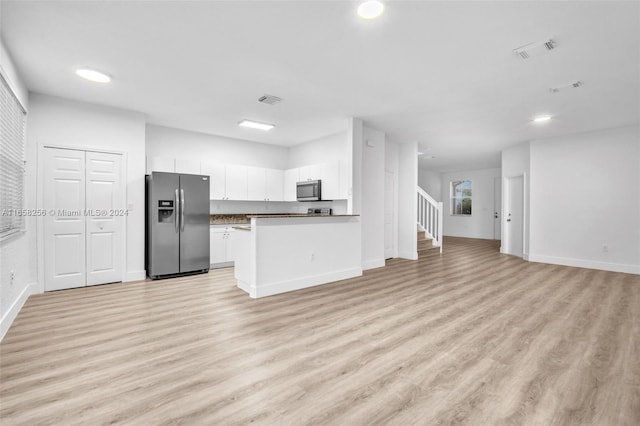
(219, 265)
(135, 276)
(298, 283)
(371, 264)
(14, 310)
(525, 217)
(408, 255)
(14, 88)
(584, 263)
(476, 236)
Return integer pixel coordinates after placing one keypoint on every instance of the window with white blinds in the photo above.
(12, 132)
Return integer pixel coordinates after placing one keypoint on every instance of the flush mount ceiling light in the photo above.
(93, 75)
(256, 125)
(525, 51)
(370, 9)
(542, 118)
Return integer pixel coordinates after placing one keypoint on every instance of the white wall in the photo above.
(61, 122)
(407, 200)
(431, 182)
(323, 150)
(585, 193)
(515, 162)
(372, 211)
(480, 223)
(183, 144)
(392, 165)
(18, 253)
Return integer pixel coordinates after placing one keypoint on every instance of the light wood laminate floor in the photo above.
(468, 337)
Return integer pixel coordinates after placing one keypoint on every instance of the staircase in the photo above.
(425, 245)
(429, 221)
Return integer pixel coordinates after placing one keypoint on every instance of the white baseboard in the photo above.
(582, 263)
(14, 310)
(135, 276)
(371, 264)
(298, 283)
(408, 255)
(478, 237)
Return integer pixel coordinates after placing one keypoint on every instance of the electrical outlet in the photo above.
(605, 248)
(12, 276)
(313, 256)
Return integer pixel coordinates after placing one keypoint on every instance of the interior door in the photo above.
(514, 216)
(497, 208)
(64, 224)
(388, 214)
(194, 223)
(105, 217)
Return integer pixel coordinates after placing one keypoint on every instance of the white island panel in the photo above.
(289, 253)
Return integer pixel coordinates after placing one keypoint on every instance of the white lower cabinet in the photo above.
(221, 246)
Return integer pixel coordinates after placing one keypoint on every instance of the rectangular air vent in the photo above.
(269, 99)
(525, 51)
(573, 84)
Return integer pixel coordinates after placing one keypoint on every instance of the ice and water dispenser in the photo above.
(165, 211)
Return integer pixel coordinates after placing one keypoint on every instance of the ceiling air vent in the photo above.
(269, 99)
(573, 84)
(525, 51)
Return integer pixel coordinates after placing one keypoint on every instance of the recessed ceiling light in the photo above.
(542, 118)
(256, 125)
(370, 9)
(93, 75)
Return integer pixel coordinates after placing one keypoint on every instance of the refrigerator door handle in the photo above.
(182, 210)
(175, 216)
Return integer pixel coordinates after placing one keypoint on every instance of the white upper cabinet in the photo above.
(275, 185)
(256, 183)
(344, 180)
(291, 177)
(310, 172)
(161, 164)
(226, 182)
(236, 182)
(233, 182)
(217, 179)
(188, 166)
(265, 184)
(330, 176)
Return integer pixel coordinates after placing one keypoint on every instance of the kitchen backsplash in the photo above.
(230, 207)
(224, 212)
(222, 219)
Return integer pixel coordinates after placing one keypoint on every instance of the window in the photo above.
(461, 197)
(12, 129)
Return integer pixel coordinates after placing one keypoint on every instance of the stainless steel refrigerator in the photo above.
(177, 237)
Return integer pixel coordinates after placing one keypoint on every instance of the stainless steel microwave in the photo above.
(310, 190)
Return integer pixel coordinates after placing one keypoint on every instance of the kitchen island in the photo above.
(277, 254)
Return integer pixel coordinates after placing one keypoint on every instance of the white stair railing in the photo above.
(430, 216)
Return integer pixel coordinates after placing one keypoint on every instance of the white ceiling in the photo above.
(440, 73)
